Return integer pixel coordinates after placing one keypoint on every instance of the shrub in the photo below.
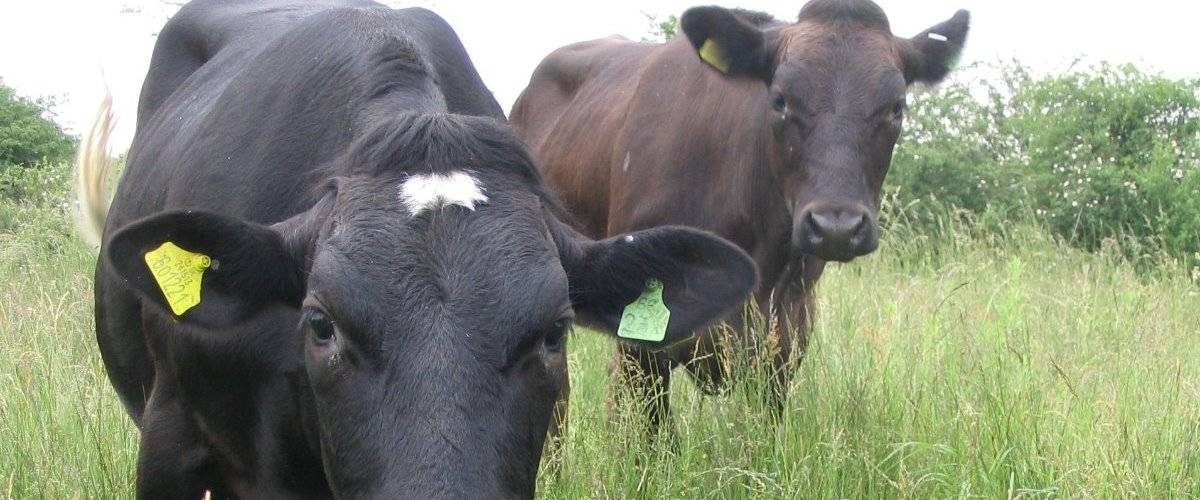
(40, 185)
(27, 136)
(1106, 156)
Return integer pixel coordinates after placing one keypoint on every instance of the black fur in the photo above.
(252, 266)
(342, 345)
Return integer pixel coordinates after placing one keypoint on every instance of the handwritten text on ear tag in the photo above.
(178, 273)
(712, 54)
(646, 318)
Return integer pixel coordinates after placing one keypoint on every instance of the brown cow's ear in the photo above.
(205, 269)
(728, 42)
(929, 56)
(622, 284)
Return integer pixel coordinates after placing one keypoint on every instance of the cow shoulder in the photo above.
(182, 47)
(576, 79)
(456, 76)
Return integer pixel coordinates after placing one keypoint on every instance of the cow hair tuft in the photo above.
(443, 142)
(863, 11)
(438, 143)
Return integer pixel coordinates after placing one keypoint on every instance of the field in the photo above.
(962, 365)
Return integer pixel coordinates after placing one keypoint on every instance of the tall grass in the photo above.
(63, 431)
(959, 365)
(953, 363)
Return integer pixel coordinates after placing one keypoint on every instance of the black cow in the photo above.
(331, 269)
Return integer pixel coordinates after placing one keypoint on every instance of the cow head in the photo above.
(431, 290)
(834, 102)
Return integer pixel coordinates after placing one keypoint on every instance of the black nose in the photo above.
(837, 233)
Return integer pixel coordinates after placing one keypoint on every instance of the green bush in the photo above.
(42, 184)
(1106, 156)
(27, 136)
(44, 189)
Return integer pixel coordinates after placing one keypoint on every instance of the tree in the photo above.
(661, 30)
(27, 136)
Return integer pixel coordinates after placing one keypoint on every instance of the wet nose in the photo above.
(837, 233)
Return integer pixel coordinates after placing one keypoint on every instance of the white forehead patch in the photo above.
(429, 191)
(939, 37)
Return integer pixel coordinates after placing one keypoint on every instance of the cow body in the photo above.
(772, 134)
(389, 285)
(608, 121)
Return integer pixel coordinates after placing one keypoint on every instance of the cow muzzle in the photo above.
(835, 231)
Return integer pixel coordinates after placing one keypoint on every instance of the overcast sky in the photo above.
(70, 48)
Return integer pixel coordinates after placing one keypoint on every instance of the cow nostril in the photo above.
(836, 233)
(860, 223)
(814, 229)
(862, 232)
(819, 222)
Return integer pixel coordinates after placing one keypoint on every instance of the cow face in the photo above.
(834, 104)
(432, 289)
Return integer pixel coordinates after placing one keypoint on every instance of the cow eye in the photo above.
(898, 110)
(319, 326)
(779, 103)
(554, 338)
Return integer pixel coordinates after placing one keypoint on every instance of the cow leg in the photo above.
(789, 324)
(644, 379)
(708, 360)
(173, 461)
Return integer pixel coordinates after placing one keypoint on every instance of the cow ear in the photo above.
(205, 269)
(698, 277)
(728, 43)
(929, 56)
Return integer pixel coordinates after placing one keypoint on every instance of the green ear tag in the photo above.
(712, 54)
(178, 273)
(647, 317)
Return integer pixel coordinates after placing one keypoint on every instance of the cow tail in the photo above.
(92, 171)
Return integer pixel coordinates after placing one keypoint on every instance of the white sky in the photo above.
(70, 48)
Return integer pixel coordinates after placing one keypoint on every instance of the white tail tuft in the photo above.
(92, 169)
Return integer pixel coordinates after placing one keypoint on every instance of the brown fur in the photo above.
(636, 135)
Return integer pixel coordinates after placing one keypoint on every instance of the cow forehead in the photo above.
(836, 43)
(429, 191)
(457, 220)
(821, 63)
(454, 273)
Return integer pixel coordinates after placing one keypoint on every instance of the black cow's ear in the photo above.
(699, 278)
(205, 269)
(728, 42)
(929, 56)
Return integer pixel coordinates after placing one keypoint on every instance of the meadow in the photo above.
(952, 363)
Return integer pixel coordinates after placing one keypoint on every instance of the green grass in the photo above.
(963, 366)
(968, 366)
(63, 431)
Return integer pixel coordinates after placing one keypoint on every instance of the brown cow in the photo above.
(774, 135)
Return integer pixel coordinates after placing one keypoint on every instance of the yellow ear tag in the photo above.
(178, 273)
(712, 54)
(646, 318)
